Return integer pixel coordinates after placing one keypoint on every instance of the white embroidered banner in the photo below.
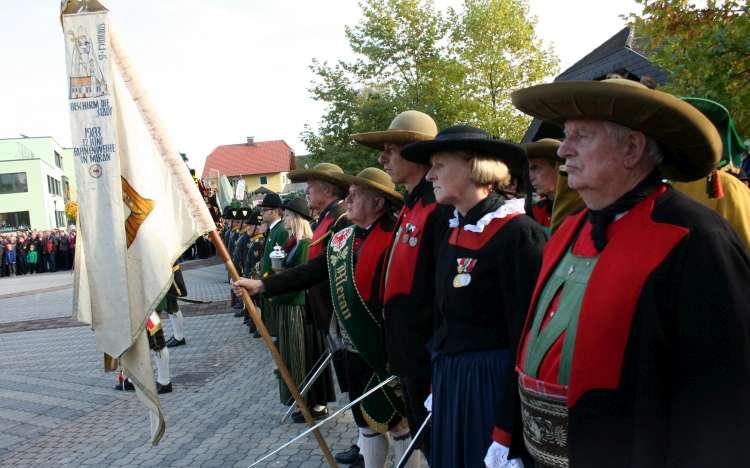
(138, 206)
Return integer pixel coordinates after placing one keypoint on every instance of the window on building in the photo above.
(60, 218)
(66, 189)
(58, 160)
(14, 182)
(53, 186)
(263, 180)
(14, 220)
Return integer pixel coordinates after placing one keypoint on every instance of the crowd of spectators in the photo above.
(28, 251)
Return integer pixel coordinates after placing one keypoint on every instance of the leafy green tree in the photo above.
(495, 42)
(412, 56)
(705, 49)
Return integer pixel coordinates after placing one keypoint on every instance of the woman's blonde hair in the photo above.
(485, 170)
(299, 227)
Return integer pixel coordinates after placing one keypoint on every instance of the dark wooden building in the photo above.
(620, 54)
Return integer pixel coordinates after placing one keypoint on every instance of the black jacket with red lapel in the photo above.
(660, 374)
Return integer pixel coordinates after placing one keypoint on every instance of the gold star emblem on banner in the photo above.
(139, 207)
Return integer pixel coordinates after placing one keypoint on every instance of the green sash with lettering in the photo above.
(385, 406)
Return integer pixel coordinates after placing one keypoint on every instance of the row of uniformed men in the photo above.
(619, 344)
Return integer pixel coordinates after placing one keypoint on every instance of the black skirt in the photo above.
(466, 389)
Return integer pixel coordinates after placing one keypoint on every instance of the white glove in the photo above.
(428, 403)
(497, 457)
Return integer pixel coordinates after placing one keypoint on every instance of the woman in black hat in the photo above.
(290, 306)
(489, 258)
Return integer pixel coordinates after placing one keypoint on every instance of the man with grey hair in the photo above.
(635, 351)
(325, 198)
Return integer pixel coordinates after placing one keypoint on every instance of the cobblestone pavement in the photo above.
(11, 286)
(49, 295)
(58, 408)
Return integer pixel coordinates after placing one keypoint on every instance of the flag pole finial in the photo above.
(71, 7)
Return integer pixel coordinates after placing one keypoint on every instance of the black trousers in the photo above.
(416, 390)
(156, 341)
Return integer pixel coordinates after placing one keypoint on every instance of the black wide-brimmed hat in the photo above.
(271, 200)
(466, 138)
(253, 217)
(299, 206)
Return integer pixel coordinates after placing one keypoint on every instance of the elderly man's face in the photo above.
(362, 206)
(317, 195)
(592, 156)
(543, 176)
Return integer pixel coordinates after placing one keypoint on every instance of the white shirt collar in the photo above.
(273, 224)
(513, 206)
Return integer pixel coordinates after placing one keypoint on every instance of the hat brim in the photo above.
(377, 140)
(305, 216)
(393, 196)
(261, 205)
(511, 154)
(543, 150)
(691, 143)
(304, 175)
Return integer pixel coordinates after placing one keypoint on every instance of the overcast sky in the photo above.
(221, 70)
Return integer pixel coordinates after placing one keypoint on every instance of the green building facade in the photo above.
(37, 179)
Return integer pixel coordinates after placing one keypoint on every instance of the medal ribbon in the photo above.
(466, 265)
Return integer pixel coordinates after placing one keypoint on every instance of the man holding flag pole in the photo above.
(138, 206)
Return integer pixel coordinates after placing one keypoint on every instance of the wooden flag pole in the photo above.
(221, 250)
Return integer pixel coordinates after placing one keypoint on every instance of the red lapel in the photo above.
(370, 255)
(612, 296)
(403, 257)
(320, 230)
(460, 237)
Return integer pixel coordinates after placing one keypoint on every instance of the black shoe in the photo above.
(298, 418)
(358, 463)
(126, 385)
(172, 342)
(256, 334)
(349, 456)
(163, 388)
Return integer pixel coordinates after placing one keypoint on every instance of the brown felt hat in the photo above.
(326, 172)
(546, 148)
(692, 147)
(375, 179)
(408, 127)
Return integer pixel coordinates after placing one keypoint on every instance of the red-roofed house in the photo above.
(260, 163)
